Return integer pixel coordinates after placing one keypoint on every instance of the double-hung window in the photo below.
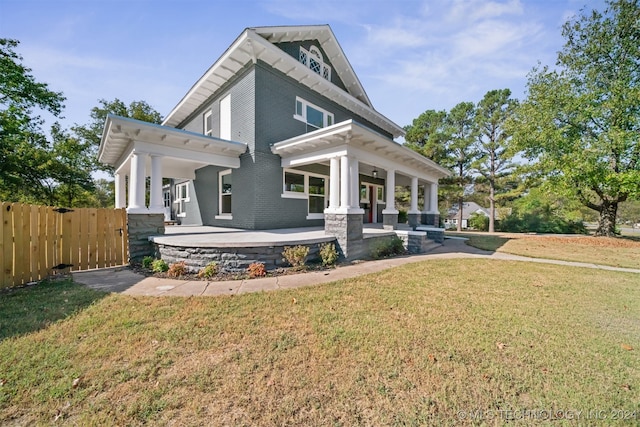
(308, 186)
(225, 191)
(182, 197)
(207, 120)
(314, 116)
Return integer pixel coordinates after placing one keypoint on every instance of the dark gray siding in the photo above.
(242, 90)
(275, 107)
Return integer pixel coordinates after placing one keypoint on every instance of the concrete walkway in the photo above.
(122, 279)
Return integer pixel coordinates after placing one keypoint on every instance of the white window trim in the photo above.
(303, 117)
(305, 195)
(375, 189)
(207, 115)
(220, 214)
(179, 200)
(325, 70)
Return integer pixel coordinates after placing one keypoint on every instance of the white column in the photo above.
(137, 184)
(345, 197)
(390, 183)
(121, 196)
(334, 184)
(433, 203)
(156, 202)
(354, 171)
(427, 200)
(414, 196)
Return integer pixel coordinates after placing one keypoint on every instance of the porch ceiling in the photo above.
(352, 138)
(122, 136)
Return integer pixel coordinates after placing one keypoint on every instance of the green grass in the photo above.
(30, 309)
(413, 345)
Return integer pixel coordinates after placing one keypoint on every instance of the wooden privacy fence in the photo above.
(37, 241)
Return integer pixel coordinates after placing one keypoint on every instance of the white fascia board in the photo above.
(170, 120)
(186, 154)
(315, 157)
(320, 84)
(287, 144)
(384, 163)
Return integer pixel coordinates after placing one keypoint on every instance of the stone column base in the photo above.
(141, 227)
(389, 221)
(347, 228)
(431, 219)
(414, 220)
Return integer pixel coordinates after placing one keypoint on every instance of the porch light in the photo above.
(375, 172)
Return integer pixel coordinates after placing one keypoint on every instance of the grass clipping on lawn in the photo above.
(415, 345)
(615, 252)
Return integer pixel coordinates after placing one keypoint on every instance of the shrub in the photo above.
(177, 269)
(159, 266)
(387, 248)
(403, 216)
(296, 256)
(328, 254)
(147, 262)
(256, 269)
(479, 222)
(208, 271)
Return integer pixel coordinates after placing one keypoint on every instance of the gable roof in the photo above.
(468, 208)
(258, 44)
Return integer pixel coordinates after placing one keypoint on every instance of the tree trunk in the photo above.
(607, 221)
(460, 206)
(492, 208)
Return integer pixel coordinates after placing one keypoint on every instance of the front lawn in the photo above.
(436, 342)
(616, 252)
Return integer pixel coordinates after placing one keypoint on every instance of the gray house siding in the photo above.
(242, 91)
(262, 113)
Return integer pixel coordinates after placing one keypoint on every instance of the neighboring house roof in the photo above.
(122, 136)
(468, 208)
(368, 145)
(258, 44)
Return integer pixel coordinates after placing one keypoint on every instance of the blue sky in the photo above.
(409, 55)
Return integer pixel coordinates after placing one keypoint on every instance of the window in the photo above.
(317, 187)
(293, 182)
(380, 196)
(312, 115)
(364, 193)
(182, 197)
(312, 59)
(207, 123)
(304, 185)
(225, 117)
(225, 191)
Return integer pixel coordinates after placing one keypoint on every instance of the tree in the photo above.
(493, 145)
(24, 154)
(460, 131)
(581, 121)
(427, 136)
(91, 133)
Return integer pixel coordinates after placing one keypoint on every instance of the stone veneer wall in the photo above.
(347, 229)
(235, 259)
(431, 219)
(140, 228)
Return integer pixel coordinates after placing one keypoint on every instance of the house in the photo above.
(468, 209)
(277, 133)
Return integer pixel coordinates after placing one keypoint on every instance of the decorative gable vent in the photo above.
(312, 59)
